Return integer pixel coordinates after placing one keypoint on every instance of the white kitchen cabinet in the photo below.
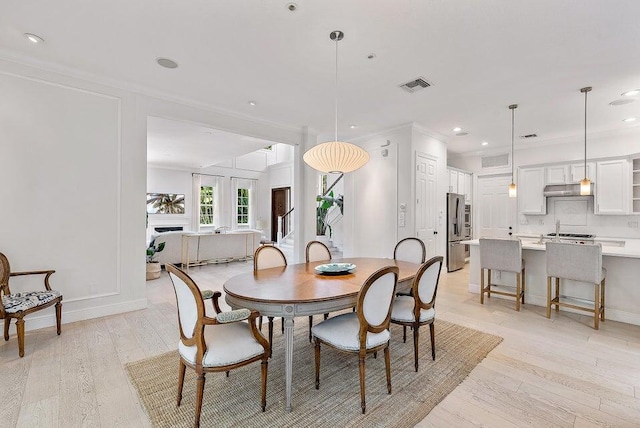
(557, 174)
(468, 185)
(460, 182)
(576, 172)
(612, 187)
(453, 181)
(531, 184)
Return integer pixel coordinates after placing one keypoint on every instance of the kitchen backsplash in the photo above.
(576, 216)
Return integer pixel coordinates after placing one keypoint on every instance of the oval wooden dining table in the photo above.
(298, 291)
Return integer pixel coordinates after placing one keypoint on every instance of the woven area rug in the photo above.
(235, 401)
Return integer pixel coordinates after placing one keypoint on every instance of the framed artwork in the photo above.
(165, 203)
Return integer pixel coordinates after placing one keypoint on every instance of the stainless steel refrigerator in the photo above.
(457, 230)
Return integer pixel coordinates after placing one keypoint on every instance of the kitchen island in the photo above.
(621, 258)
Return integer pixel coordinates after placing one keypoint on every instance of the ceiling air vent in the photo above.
(495, 161)
(528, 136)
(415, 85)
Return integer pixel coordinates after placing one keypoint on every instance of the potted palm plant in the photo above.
(324, 204)
(153, 266)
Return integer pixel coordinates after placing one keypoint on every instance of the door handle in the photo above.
(435, 232)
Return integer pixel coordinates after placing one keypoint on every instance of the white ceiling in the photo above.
(173, 144)
(481, 56)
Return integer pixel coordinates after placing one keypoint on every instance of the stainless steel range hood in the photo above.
(563, 190)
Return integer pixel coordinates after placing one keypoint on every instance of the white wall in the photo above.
(373, 194)
(73, 162)
(72, 165)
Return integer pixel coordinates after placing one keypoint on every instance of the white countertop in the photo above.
(631, 247)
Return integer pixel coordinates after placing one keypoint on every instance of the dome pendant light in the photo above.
(513, 191)
(585, 184)
(336, 156)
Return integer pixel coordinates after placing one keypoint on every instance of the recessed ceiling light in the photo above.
(461, 134)
(167, 63)
(629, 119)
(252, 103)
(484, 143)
(33, 38)
(631, 93)
(457, 129)
(621, 102)
(353, 126)
(371, 56)
(292, 7)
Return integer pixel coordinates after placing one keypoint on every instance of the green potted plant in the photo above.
(326, 202)
(153, 266)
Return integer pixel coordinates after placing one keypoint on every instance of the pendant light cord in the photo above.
(585, 133)
(336, 118)
(513, 112)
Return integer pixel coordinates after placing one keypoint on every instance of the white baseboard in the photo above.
(611, 314)
(49, 319)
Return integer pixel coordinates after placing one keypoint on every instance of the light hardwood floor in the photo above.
(557, 372)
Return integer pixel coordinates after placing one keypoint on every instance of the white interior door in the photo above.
(496, 210)
(426, 206)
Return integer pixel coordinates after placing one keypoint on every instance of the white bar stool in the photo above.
(504, 255)
(577, 262)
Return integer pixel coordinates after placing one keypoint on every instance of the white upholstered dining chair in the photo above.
(316, 251)
(364, 331)
(410, 250)
(220, 344)
(265, 257)
(419, 308)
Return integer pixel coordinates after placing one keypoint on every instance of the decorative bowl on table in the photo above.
(335, 268)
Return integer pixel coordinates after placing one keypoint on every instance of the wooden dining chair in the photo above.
(316, 251)
(217, 344)
(419, 309)
(265, 257)
(364, 331)
(410, 250)
(18, 305)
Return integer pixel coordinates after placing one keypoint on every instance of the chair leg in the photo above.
(282, 325)
(548, 297)
(58, 317)
(270, 335)
(488, 283)
(602, 299)
(317, 347)
(558, 294)
(263, 383)
(20, 329)
(518, 291)
(310, 324)
(432, 331)
(363, 403)
(387, 365)
(7, 322)
(181, 369)
(199, 395)
(260, 323)
(326, 316)
(404, 334)
(416, 340)
(481, 286)
(596, 307)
